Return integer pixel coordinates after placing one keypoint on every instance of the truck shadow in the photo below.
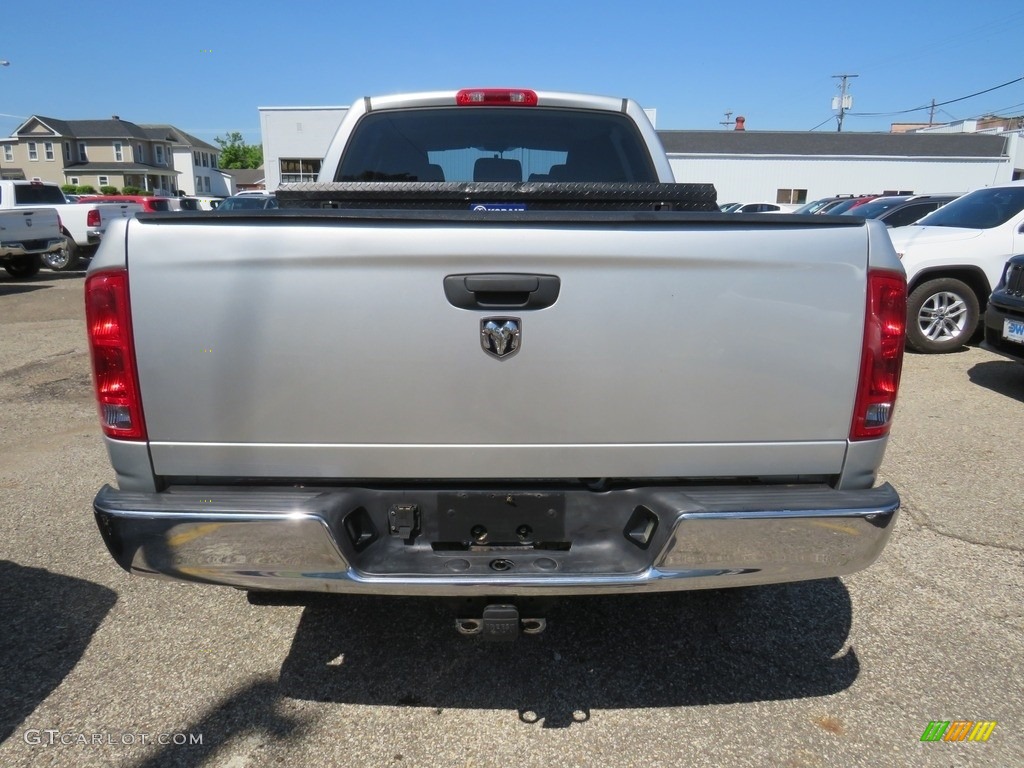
(47, 623)
(1004, 377)
(686, 649)
(10, 286)
(669, 650)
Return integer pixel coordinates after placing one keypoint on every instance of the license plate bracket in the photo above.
(501, 517)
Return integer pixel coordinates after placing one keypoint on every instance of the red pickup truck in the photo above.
(149, 204)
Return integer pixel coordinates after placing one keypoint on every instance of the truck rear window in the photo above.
(38, 194)
(496, 144)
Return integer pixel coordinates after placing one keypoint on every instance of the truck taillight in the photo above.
(881, 354)
(92, 218)
(489, 97)
(116, 381)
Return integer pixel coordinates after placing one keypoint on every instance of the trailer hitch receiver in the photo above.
(499, 621)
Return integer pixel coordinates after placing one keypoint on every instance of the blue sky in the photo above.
(207, 67)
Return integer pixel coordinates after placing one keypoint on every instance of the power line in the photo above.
(936, 104)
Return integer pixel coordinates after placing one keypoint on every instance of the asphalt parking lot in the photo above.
(98, 668)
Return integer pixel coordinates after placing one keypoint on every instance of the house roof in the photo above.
(163, 132)
(245, 176)
(114, 128)
(832, 144)
(101, 167)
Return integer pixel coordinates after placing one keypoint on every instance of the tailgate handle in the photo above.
(502, 291)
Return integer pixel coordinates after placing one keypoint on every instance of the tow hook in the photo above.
(500, 621)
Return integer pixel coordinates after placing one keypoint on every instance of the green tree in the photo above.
(235, 153)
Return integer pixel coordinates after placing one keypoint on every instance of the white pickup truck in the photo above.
(27, 235)
(82, 224)
(495, 353)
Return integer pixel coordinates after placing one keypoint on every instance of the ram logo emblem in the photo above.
(500, 336)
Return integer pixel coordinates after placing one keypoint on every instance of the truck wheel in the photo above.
(23, 266)
(942, 315)
(63, 260)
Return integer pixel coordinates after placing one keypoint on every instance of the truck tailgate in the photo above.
(319, 347)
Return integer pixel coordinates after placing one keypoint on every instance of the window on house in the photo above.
(83, 156)
(48, 150)
(296, 170)
(9, 153)
(791, 196)
(67, 151)
(213, 161)
(159, 154)
(73, 180)
(104, 181)
(199, 184)
(206, 183)
(206, 160)
(118, 151)
(140, 153)
(33, 152)
(195, 158)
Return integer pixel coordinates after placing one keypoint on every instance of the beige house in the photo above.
(98, 153)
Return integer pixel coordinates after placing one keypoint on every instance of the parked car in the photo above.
(1004, 317)
(816, 206)
(149, 203)
(953, 258)
(248, 203)
(763, 208)
(198, 203)
(899, 210)
(846, 204)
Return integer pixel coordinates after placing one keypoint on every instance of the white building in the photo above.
(195, 161)
(295, 140)
(797, 167)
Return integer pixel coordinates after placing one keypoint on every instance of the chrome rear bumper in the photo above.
(31, 247)
(337, 540)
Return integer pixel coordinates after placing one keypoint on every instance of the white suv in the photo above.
(954, 257)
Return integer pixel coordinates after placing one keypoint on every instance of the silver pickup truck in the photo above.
(495, 352)
(82, 224)
(26, 235)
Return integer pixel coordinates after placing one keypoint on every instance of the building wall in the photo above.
(192, 175)
(295, 133)
(41, 168)
(742, 178)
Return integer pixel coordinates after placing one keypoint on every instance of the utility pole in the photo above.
(931, 114)
(844, 101)
(4, 63)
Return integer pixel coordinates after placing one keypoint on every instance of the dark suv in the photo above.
(900, 210)
(1004, 317)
